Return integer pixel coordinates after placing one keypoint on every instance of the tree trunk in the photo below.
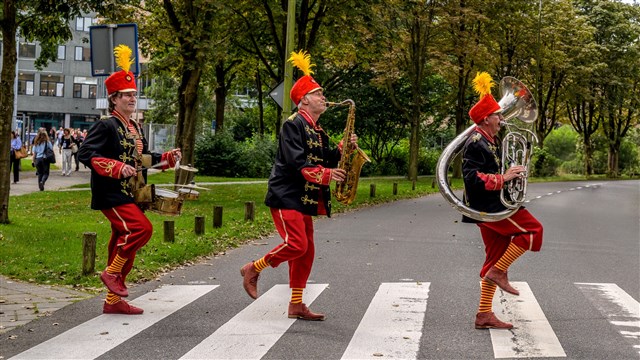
(187, 113)
(612, 163)
(414, 145)
(7, 79)
(588, 157)
(221, 96)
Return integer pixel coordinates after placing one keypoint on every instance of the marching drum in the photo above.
(167, 202)
(185, 174)
(189, 194)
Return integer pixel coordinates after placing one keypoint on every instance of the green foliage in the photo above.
(561, 143)
(544, 163)
(221, 155)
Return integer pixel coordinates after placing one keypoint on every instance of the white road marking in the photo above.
(254, 330)
(392, 326)
(620, 309)
(532, 335)
(103, 333)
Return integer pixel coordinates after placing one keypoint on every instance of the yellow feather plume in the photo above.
(302, 60)
(123, 57)
(483, 83)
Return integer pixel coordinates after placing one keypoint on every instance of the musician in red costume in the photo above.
(298, 189)
(113, 150)
(505, 240)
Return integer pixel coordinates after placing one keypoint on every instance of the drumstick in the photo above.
(160, 164)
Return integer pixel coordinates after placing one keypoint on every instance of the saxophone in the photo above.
(351, 160)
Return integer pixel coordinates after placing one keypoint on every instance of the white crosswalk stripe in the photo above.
(99, 335)
(620, 309)
(251, 333)
(392, 326)
(532, 335)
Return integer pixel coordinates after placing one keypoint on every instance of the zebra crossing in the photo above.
(391, 327)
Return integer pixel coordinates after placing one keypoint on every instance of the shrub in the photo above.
(217, 155)
(544, 164)
(257, 157)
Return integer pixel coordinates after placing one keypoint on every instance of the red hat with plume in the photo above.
(123, 80)
(305, 84)
(487, 105)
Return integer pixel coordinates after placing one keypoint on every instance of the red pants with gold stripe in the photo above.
(296, 230)
(130, 231)
(521, 228)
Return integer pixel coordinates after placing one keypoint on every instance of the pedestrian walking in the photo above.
(298, 189)
(113, 150)
(505, 240)
(40, 144)
(16, 148)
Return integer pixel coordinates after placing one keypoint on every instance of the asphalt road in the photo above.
(592, 236)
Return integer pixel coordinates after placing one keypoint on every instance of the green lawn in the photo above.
(43, 242)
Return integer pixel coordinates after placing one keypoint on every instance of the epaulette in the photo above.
(293, 116)
(476, 137)
(104, 117)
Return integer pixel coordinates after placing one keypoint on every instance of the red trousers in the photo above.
(130, 231)
(521, 228)
(297, 248)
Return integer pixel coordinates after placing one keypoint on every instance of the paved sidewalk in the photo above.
(22, 302)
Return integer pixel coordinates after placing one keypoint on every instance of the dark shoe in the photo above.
(121, 307)
(250, 281)
(499, 278)
(301, 311)
(488, 320)
(114, 283)
(41, 186)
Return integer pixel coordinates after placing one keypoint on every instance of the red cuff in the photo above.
(317, 175)
(491, 181)
(170, 158)
(107, 167)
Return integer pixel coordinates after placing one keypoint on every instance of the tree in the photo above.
(44, 21)
(406, 34)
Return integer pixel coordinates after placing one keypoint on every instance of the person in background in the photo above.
(112, 149)
(16, 144)
(77, 139)
(40, 143)
(505, 240)
(59, 134)
(298, 189)
(64, 147)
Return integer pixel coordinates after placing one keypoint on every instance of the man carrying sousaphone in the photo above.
(113, 150)
(298, 189)
(507, 239)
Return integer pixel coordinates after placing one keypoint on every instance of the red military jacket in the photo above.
(301, 173)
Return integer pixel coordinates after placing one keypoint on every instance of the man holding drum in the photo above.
(113, 149)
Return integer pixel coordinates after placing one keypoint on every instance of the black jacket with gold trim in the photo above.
(300, 175)
(109, 145)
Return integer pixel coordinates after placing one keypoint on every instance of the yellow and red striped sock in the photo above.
(513, 252)
(296, 295)
(487, 289)
(112, 298)
(261, 264)
(116, 265)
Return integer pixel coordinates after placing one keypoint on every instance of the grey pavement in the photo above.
(22, 302)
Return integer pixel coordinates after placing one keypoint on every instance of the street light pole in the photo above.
(288, 69)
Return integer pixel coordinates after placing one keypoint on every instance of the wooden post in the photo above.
(413, 185)
(395, 188)
(249, 211)
(88, 253)
(199, 225)
(433, 183)
(217, 216)
(169, 235)
(372, 190)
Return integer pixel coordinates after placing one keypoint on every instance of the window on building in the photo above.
(25, 84)
(27, 50)
(62, 49)
(84, 87)
(51, 85)
(82, 53)
(83, 23)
